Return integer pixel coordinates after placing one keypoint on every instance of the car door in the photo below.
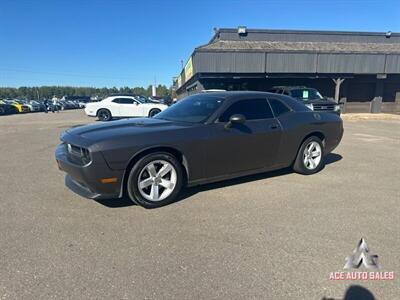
(243, 147)
(129, 108)
(113, 106)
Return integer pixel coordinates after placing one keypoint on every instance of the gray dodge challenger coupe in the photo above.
(203, 138)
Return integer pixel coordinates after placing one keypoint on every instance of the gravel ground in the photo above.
(271, 236)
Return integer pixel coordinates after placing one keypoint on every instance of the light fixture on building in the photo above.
(242, 30)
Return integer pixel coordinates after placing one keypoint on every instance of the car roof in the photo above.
(232, 96)
(121, 96)
(236, 94)
(294, 87)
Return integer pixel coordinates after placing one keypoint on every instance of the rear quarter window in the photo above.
(278, 107)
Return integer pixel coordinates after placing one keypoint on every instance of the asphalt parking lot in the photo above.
(271, 236)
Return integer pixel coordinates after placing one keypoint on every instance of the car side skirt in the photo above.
(235, 175)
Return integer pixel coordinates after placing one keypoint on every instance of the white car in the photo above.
(122, 107)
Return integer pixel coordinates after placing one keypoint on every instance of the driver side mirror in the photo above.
(235, 119)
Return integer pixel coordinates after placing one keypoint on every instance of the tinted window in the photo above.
(278, 107)
(192, 109)
(125, 101)
(252, 109)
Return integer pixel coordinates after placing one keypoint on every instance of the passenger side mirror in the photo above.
(235, 119)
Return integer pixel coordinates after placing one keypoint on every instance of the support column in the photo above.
(376, 103)
(338, 82)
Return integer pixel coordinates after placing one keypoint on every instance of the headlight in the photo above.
(337, 107)
(78, 155)
(310, 106)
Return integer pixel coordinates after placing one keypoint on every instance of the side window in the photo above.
(278, 107)
(126, 101)
(252, 109)
(116, 100)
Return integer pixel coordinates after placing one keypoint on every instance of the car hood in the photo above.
(317, 101)
(118, 129)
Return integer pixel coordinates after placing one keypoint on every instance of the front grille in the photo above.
(77, 155)
(324, 107)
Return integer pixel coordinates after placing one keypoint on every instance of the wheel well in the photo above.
(97, 112)
(153, 109)
(318, 134)
(177, 154)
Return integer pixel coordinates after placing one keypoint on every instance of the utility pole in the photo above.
(154, 89)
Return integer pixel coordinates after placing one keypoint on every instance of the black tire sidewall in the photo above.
(106, 111)
(299, 166)
(133, 190)
(154, 112)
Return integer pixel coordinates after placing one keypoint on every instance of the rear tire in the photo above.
(153, 112)
(155, 180)
(310, 158)
(104, 115)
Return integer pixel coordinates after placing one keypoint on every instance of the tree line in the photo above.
(48, 92)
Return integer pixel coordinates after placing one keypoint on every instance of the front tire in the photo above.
(104, 115)
(310, 158)
(155, 180)
(153, 112)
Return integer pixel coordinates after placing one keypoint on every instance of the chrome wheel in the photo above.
(157, 180)
(312, 155)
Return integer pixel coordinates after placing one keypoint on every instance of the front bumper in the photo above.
(86, 180)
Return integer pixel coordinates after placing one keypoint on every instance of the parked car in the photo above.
(40, 105)
(34, 106)
(162, 100)
(309, 96)
(74, 104)
(122, 107)
(203, 138)
(22, 108)
(6, 109)
(58, 106)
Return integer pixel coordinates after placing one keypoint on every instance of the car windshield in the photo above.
(192, 109)
(306, 94)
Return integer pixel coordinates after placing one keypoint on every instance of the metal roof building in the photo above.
(359, 68)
